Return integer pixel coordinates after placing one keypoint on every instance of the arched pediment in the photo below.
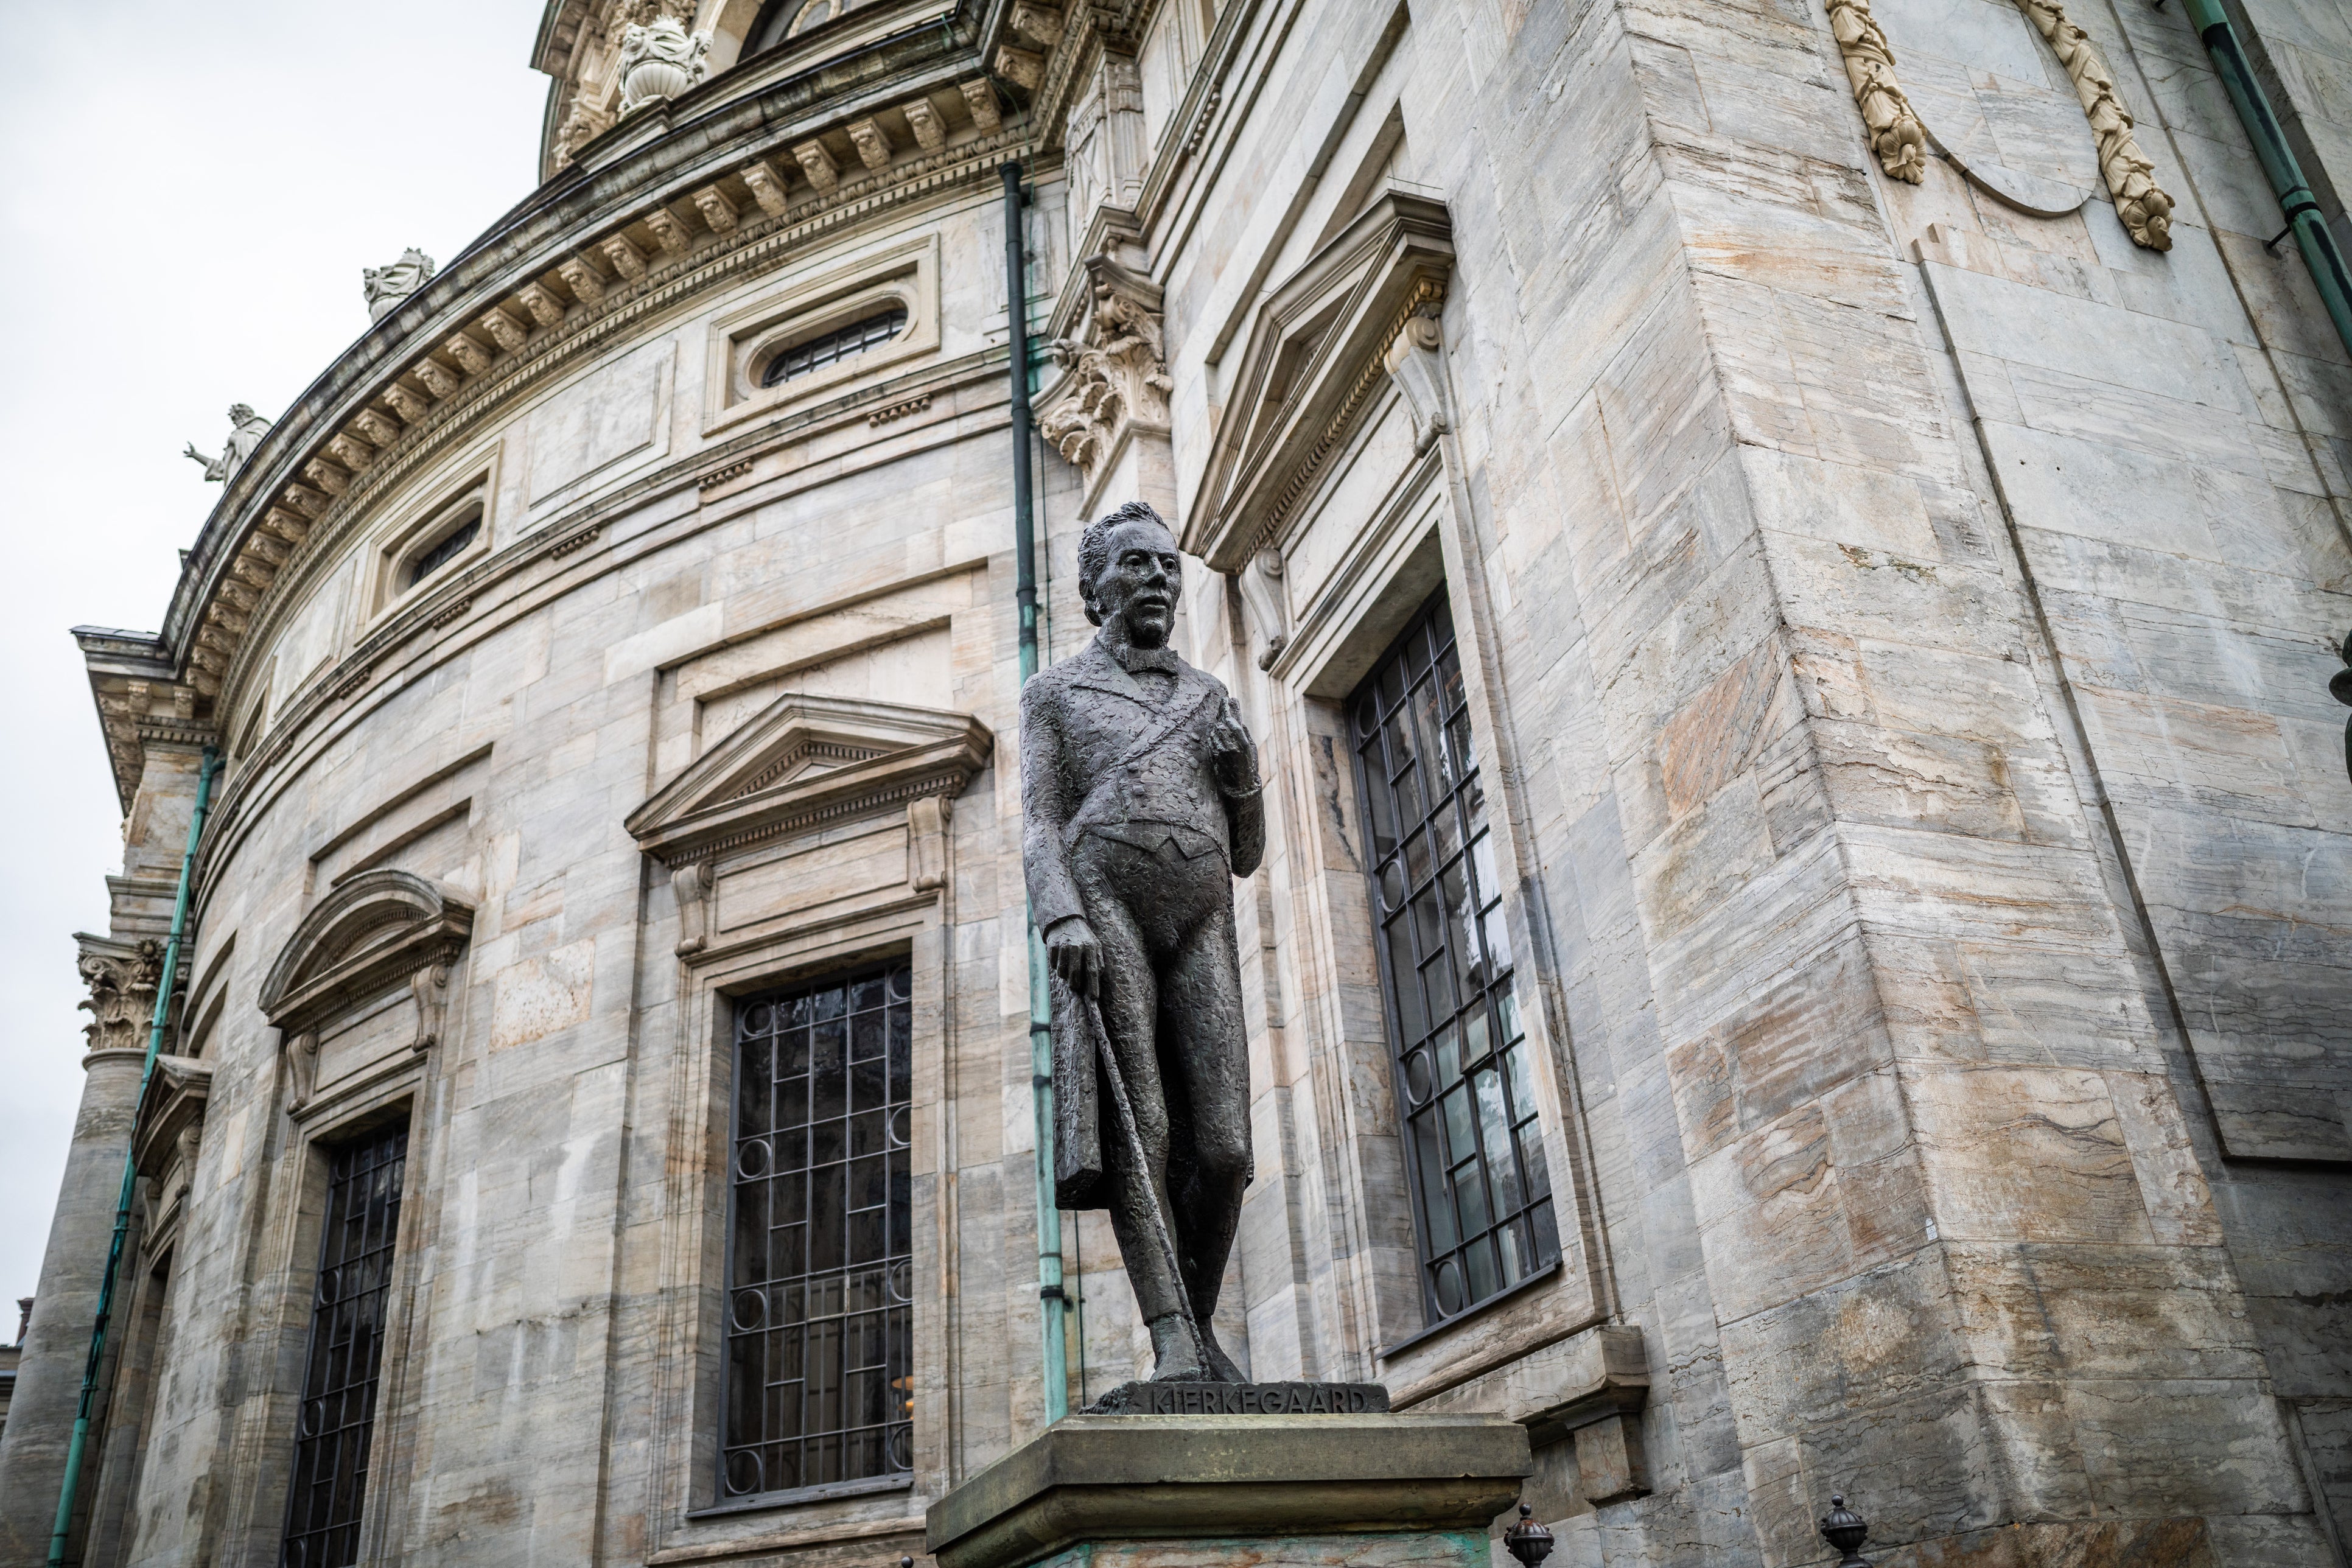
(803, 760)
(369, 935)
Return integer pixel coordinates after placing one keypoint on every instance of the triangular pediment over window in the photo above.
(803, 760)
(1311, 365)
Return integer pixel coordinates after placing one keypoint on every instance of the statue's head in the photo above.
(1128, 572)
(239, 413)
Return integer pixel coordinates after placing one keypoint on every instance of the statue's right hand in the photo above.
(1075, 956)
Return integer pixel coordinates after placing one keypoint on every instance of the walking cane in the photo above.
(1143, 1168)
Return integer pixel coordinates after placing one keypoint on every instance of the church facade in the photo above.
(1784, 561)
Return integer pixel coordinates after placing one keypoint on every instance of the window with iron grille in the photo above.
(829, 348)
(819, 1368)
(447, 548)
(339, 1382)
(1473, 1148)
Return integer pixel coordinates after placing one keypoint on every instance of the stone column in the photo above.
(49, 1378)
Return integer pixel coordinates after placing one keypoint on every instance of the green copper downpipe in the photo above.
(2312, 234)
(1052, 1303)
(72, 1482)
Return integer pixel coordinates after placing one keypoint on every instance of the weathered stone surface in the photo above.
(1894, 631)
(1112, 1478)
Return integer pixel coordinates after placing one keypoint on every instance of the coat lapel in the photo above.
(1097, 669)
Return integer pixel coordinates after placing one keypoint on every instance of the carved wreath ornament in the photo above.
(1900, 140)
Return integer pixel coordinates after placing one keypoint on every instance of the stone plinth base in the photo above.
(1165, 1491)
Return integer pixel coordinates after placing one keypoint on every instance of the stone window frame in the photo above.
(740, 342)
(418, 529)
(379, 938)
(739, 809)
(1308, 397)
(296, 1203)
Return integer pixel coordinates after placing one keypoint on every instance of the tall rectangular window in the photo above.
(819, 1371)
(1481, 1201)
(339, 1383)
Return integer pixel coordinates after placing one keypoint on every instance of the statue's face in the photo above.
(1140, 585)
(239, 413)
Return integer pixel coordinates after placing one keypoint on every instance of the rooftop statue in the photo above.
(659, 60)
(1142, 804)
(245, 430)
(388, 286)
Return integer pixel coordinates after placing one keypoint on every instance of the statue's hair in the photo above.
(1094, 548)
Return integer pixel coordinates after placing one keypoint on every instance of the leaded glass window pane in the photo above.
(337, 1422)
(831, 348)
(1473, 1147)
(820, 1383)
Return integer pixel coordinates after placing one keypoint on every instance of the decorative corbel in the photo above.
(767, 188)
(872, 144)
(818, 165)
(544, 307)
(692, 884)
(466, 353)
(927, 841)
(717, 211)
(408, 404)
(504, 331)
(1416, 363)
(626, 258)
(302, 1065)
(1025, 66)
(670, 231)
(1261, 586)
(430, 986)
(1116, 369)
(587, 283)
(931, 130)
(1038, 22)
(980, 97)
(184, 1148)
(438, 377)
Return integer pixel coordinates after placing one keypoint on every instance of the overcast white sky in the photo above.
(191, 192)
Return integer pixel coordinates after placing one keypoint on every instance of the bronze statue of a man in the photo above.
(1142, 804)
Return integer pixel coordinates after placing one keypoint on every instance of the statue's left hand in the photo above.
(1230, 747)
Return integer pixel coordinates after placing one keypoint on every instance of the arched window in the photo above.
(785, 19)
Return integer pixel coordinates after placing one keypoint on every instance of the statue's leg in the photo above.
(1205, 1041)
(1129, 996)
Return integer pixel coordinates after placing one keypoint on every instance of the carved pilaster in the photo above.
(1108, 152)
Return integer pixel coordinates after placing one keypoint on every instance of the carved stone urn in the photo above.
(659, 61)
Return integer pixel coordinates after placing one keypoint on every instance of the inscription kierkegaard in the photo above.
(1244, 1399)
(1141, 803)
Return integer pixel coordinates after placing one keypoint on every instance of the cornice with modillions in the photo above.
(299, 501)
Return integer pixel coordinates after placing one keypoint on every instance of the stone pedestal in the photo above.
(1154, 1491)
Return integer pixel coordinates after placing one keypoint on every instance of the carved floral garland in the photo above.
(1899, 138)
(1895, 133)
(2145, 210)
